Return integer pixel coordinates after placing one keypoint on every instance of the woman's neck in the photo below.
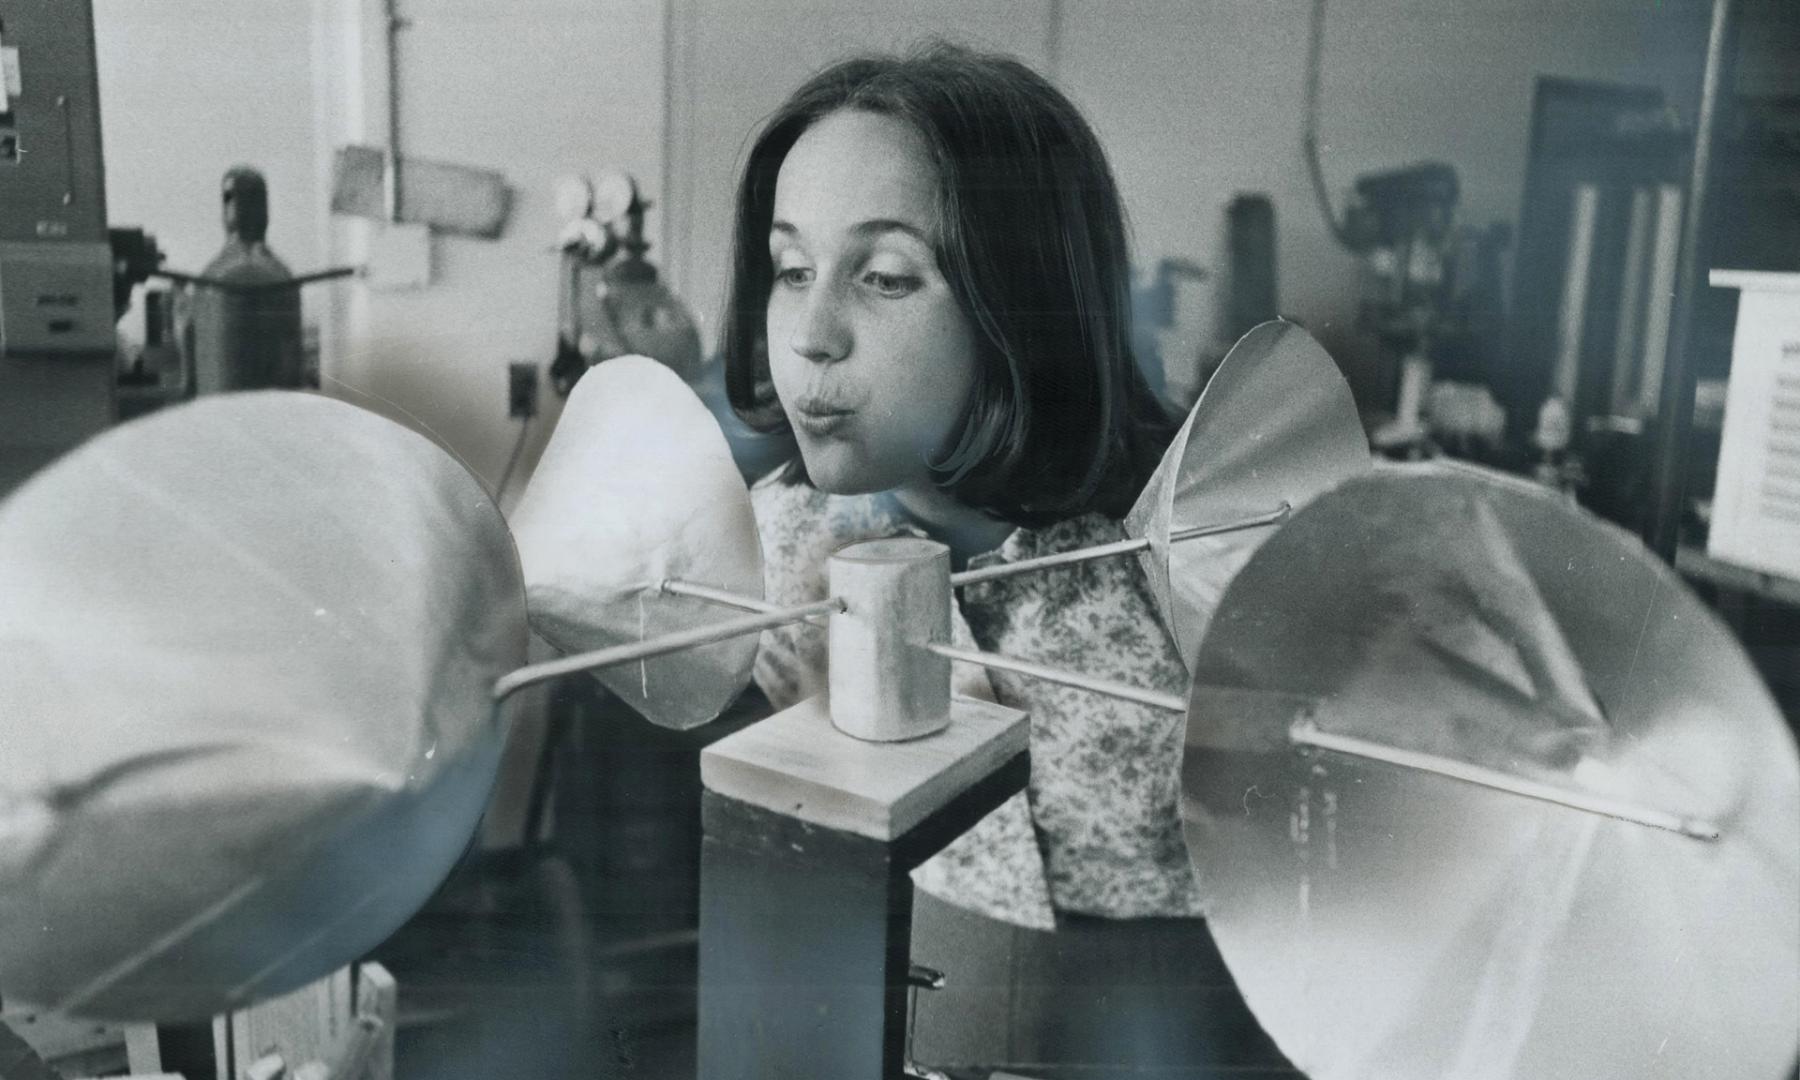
(967, 532)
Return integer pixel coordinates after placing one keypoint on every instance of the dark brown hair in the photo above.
(1032, 242)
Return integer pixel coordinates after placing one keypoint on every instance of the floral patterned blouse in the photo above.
(1098, 830)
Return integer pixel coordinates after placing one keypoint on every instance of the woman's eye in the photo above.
(892, 285)
(793, 276)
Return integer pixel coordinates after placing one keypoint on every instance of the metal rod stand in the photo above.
(532, 674)
(1307, 733)
(1153, 698)
(1119, 547)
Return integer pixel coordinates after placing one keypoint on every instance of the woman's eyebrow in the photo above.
(876, 226)
(871, 227)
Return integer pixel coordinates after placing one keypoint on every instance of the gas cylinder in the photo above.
(246, 318)
(630, 311)
(612, 302)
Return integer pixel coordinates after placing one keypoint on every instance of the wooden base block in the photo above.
(797, 764)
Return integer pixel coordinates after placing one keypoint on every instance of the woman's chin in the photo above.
(835, 471)
(834, 483)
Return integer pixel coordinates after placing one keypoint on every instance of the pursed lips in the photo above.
(823, 408)
(820, 417)
(823, 404)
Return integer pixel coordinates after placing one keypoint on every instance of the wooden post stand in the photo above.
(805, 894)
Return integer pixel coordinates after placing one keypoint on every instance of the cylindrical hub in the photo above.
(896, 596)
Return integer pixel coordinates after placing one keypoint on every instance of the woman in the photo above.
(930, 289)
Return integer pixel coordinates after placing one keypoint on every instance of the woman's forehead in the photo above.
(853, 167)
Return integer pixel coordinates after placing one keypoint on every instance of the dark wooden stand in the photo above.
(805, 894)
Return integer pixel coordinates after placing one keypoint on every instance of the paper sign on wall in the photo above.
(10, 74)
(1756, 501)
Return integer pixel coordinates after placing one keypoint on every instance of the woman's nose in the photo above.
(820, 331)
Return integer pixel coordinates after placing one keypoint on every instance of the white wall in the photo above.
(189, 88)
(1197, 102)
(533, 89)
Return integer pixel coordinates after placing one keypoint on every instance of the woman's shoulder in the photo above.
(1069, 534)
(1098, 594)
(1085, 530)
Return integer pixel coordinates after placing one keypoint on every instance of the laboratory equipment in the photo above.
(1251, 297)
(246, 329)
(1524, 808)
(1431, 297)
(245, 668)
(1548, 753)
(1600, 230)
(613, 302)
(56, 265)
(637, 485)
(1457, 752)
(1275, 425)
(250, 680)
(1402, 224)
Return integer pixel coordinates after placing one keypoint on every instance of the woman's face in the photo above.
(871, 355)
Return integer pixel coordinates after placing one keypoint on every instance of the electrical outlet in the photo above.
(521, 389)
